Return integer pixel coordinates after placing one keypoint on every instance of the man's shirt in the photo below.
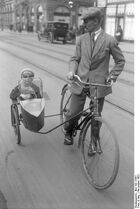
(96, 34)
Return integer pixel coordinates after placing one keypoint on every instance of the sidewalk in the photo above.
(127, 47)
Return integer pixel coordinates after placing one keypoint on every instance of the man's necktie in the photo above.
(92, 41)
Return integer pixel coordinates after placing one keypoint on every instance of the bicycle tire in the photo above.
(12, 116)
(64, 105)
(17, 124)
(101, 169)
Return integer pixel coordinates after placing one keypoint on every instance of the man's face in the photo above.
(92, 24)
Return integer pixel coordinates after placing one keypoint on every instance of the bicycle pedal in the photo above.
(92, 153)
(92, 150)
(99, 150)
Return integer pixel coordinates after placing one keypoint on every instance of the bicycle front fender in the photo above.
(65, 87)
(85, 122)
(89, 117)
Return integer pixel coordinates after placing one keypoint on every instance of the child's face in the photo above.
(27, 79)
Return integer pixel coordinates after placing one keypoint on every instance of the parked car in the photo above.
(54, 31)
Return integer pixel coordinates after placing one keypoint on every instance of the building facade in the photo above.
(6, 13)
(30, 15)
(120, 12)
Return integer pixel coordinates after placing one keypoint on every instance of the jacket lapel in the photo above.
(98, 43)
(88, 44)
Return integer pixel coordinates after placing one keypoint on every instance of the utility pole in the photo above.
(71, 12)
(69, 4)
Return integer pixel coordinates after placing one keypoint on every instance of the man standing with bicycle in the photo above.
(91, 63)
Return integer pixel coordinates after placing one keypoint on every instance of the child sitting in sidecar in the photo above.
(26, 89)
(28, 103)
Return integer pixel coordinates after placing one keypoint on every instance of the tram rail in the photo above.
(121, 80)
(44, 69)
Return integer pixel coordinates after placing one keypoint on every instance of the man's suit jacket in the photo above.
(94, 67)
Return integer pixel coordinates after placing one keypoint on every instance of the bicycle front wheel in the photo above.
(64, 105)
(101, 169)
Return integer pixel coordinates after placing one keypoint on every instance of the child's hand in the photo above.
(25, 96)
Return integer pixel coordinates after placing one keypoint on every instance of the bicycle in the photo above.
(102, 166)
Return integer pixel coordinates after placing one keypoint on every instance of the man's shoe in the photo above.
(68, 139)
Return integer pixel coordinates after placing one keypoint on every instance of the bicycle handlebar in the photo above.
(77, 79)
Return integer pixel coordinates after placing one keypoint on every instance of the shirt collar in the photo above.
(96, 33)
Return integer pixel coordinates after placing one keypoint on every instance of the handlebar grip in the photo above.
(78, 79)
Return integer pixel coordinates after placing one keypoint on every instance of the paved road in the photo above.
(125, 46)
(3, 202)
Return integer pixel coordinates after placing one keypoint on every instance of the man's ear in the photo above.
(101, 20)
(97, 21)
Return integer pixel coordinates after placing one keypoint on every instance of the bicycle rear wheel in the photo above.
(101, 169)
(64, 105)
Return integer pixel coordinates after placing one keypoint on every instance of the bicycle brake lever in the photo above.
(109, 82)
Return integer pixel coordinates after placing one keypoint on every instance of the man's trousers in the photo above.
(76, 106)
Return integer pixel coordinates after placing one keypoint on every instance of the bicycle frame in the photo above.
(94, 110)
(90, 116)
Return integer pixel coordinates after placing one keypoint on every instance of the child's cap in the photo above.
(27, 72)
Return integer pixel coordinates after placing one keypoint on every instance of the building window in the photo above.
(32, 12)
(110, 25)
(130, 10)
(120, 10)
(129, 22)
(111, 10)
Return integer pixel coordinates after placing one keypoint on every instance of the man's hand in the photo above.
(70, 75)
(111, 78)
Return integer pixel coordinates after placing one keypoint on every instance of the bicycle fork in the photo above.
(95, 146)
